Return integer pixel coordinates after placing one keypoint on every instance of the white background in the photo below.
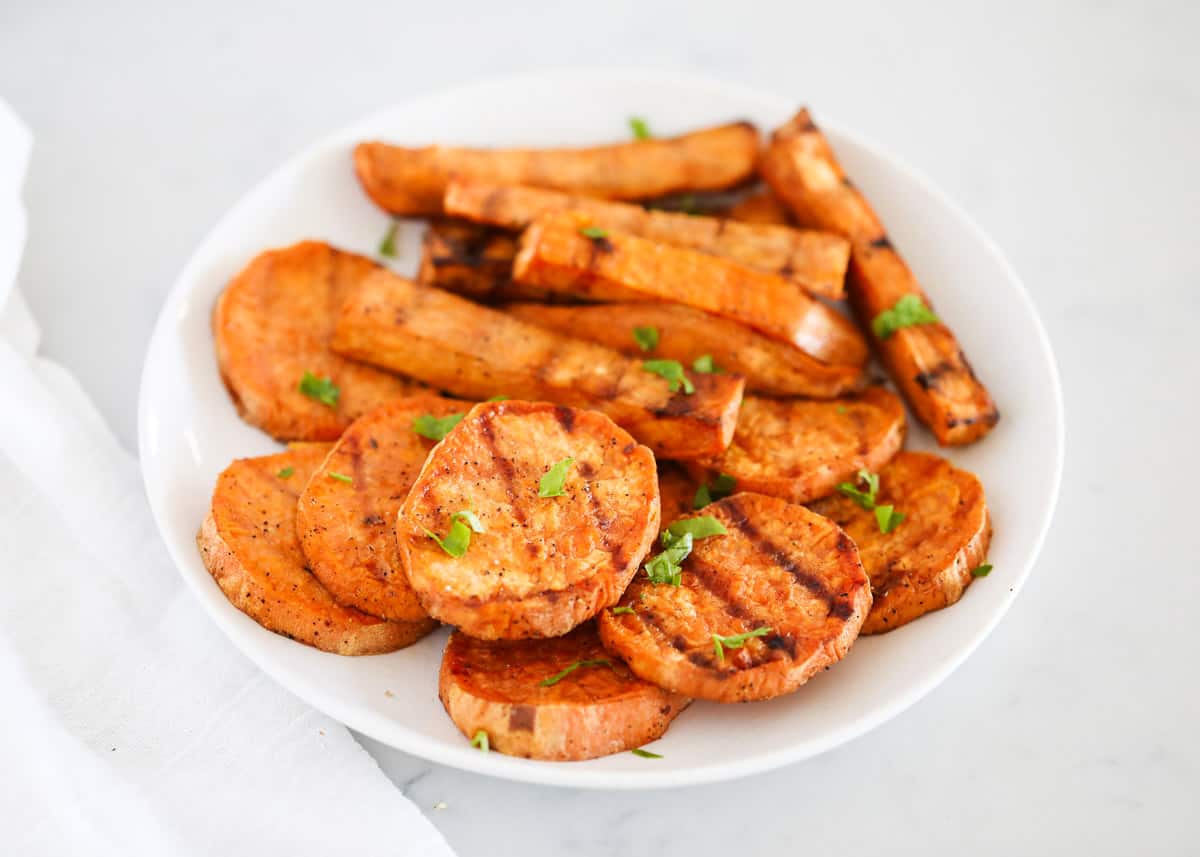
(1070, 132)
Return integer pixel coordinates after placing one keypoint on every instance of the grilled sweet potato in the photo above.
(412, 181)
(770, 367)
(540, 565)
(466, 258)
(476, 353)
(556, 253)
(676, 491)
(816, 261)
(781, 571)
(272, 325)
(924, 564)
(249, 545)
(800, 450)
(596, 709)
(348, 530)
(761, 206)
(924, 360)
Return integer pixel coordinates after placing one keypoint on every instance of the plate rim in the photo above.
(529, 771)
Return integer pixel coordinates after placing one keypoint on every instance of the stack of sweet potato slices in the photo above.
(617, 432)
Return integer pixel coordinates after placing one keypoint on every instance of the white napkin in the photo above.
(130, 725)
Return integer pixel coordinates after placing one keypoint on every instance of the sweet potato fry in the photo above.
(412, 181)
(476, 262)
(556, 252)
(924, 359)
(770, 367)
(814, 260)
(761, 206)
(476, 352)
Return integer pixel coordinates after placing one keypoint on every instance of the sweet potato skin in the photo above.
(925, 563)
(770, 367)
(616, 267)
(816, 261)
(272, 323)
(800, 450)
(476, 353)
(594, 711)
(780, 567)
(925, 361)
(407, 181)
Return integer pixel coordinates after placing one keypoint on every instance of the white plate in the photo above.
(189, 431)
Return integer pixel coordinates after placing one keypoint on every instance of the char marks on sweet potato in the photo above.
(555, 253)
(476, 353)
(474, 261)
(770, 367)
(594, 710)
(800, 450)
(249, 545)
(348, 531)
(780, 568)
(924, 360)
(816, 261)
(411, 181)
(272, 324)
(924, 564)
(543, 564)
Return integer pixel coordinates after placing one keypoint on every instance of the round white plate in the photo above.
(189, 431)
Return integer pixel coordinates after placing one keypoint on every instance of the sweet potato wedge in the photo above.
(925, 563)
(597, 708)
(925, 359)
(816, 261)
(800, 450)
(272, 325)
(770, 367)
(780, 570)
(474, 261)
(410, 181)
(555, 253)
(760, 206)
(476, 353)
(348, 530)
(249, 544)
(537, 565)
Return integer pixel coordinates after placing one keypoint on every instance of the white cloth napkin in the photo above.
(130, 725)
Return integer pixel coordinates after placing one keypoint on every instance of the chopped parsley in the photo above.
(341, 477)
(559, 676)
(321, 389)
(645, 754)
(641, 131)
(551, 484)
(623, 611)
(498, 399)
(700, 527)
(720, 488)
(435, 428)
(458, 539)
(646, 337)
(865, 499)
(677, 541)
(286, 473)
(720, 644)
(888, 518)
(480, 741)
(980, 571)
(387, 247)
(704, 365)
(672, 371)
(593, 232)
(909, 311)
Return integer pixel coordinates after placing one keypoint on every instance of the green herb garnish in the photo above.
(720, 644)
(677, 541)
(646, 337)
(593, 232)
(700, 527)
(480, 741)
(498, 399)
(865, 499)
(559, 676)
(321, 389)
(435, 428)
(458, 539)
(645, 754)
(888, 518)
(551, 484)
(704, 364)
(387, 247)
(641, 131)
(341, 477)
(623, 611)
(910, 310)
(980, 571)
(286, 473)
(720, 488)
(672, 371)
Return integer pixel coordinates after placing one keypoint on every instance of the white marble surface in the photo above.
(1069, 132)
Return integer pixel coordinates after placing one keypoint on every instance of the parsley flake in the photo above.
(909, 311)
(458, 539)
(498, 399)
(480, 741)
(321, 389)
(646, 337)
(552, 482)
(865, 499)
(341, 477)
(387, 247)
(980, 571)
(435, 428)
(286, 473)
(641, 131)
(677, 541)
(888, 518)
(672, 371)
(704, 365)
(593, 232)
(645, 754)
(559, 676)
(720, 488)
(623, 611)
(720, 644)
(700, 527)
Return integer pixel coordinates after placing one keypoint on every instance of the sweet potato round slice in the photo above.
(348, 530)
(925, 563)
(594, 710)
(249, 545)
(800, 450)
(543, 564)
(273, 323)
(780, 571)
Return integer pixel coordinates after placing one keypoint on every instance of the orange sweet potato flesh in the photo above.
(770, 367)
(408, 181)
(761, 206)
(816, 261)
(925, 360)
(618, 267)
(477, 352)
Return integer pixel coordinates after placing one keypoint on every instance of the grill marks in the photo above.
(487, 432)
